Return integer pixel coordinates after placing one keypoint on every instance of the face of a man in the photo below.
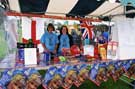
(50, 29)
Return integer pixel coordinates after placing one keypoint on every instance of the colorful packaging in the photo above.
(118, 70)
(57, 79)
(70, 77)
(49, 76)
(62, 71)
(131, 70)
(56, 60)
(33, 79)
(93, 73)
(110, 69)
(102, 73)
(102, 51)
(75, 51)
(126, 65)
(62, 59)
(18, 80)
(5, 78)
(47, 58)
(20, 58)
(56, 82)
(82, 74)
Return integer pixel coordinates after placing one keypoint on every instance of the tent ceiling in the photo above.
(108, 8)
(84, 7)
(67, 7)
(61, 6)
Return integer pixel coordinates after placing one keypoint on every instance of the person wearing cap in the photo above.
(49, 40)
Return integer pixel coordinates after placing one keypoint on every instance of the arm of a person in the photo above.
(43, 45)
(55, 50)
(56, 46)
(42, 40)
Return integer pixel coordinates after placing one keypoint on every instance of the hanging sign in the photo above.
(112, 49)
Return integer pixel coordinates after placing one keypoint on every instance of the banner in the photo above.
(32, 28)
(125, 30)
(112, 50)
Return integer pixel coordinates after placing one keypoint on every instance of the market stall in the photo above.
(96, 53)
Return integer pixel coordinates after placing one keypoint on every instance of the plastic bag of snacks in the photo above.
(49, 76)
(70, 77)
(101, 75)
(118, 70)
(131, 70)
(6, 77)
(110, 69)
(93, 73)
(75, 51)
(66, 51)
(126, 65)
(82, 74)
(33, 79)
(57, 80)
(18, 80)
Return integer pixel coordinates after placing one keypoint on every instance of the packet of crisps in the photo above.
(126, 65)
(57, 80)
(82, 74)
(17, 80)
(49, 76)
(118, 70)
(70, 77)
(110, 69)
(93, 73)
(33, 78)
(131, 70)
(6, 77)
(102, 73)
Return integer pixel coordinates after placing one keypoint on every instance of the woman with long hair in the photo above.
(65, 39)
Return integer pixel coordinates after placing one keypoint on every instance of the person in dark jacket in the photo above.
(65, 39)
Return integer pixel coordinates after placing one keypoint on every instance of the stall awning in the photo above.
(67, 7)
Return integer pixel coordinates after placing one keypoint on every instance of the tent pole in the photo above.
(109, 30)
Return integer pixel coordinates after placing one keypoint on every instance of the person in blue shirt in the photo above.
(105, 34)
(65, 39)
(49, 40)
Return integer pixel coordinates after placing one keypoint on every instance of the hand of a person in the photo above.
(55, 51)
(46, 50)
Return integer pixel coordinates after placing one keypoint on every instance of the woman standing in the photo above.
(65, 39)
(49, 40)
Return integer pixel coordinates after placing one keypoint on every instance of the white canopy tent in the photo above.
(64, 7)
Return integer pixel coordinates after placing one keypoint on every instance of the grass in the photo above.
(110, 84)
